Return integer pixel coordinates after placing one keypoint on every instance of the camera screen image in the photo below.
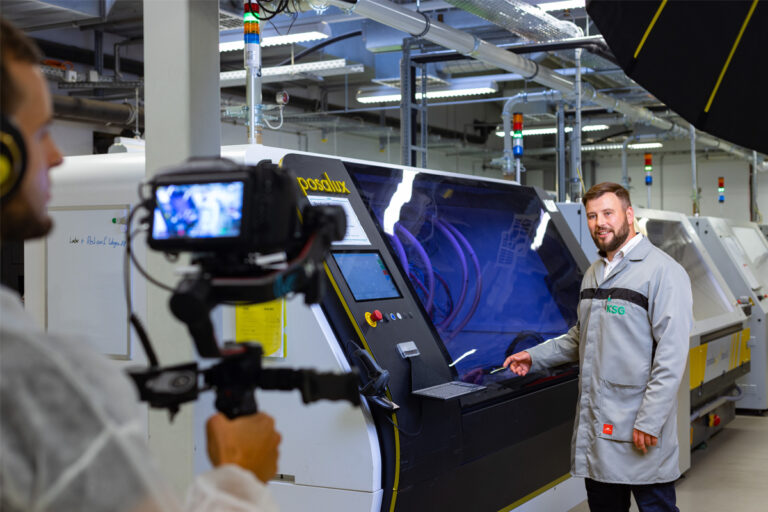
(198, 210)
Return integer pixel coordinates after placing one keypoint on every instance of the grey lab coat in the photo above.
(631, 341)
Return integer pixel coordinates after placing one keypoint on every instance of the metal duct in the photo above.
(95, 111)
(520, 18)
(420, 25)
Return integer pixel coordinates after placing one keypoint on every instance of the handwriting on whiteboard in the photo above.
(94, 241)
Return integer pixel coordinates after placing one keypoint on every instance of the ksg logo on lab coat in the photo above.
(613, 308)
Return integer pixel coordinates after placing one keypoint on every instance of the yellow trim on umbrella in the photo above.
(650, 27)
(730, 56)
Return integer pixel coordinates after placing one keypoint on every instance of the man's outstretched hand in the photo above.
(519, 363)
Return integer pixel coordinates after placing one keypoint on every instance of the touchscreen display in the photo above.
(366, 275)
(198, 210)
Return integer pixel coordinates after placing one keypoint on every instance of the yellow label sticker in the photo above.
(263, 324)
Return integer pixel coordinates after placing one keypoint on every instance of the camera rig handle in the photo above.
(235, 379)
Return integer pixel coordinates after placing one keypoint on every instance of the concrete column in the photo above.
(181, 76)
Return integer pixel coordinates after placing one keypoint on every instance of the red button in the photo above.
(376, 316)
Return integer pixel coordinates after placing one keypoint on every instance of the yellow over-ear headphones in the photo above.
(13, 157)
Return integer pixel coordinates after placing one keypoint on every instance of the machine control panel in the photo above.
(373, 317)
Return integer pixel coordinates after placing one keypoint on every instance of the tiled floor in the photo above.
(729, 475)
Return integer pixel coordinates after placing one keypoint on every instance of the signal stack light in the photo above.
(517, 142)
(648, 169)
(648, 175)
(721, 189)
(517, 135)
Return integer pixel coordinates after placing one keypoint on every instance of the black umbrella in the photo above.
(703, 59)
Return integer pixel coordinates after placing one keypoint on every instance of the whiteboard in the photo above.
(84, 267)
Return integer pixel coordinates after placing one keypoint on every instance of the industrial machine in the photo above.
(719, 352)
(576, 216)
(439, 277)
(741, 254)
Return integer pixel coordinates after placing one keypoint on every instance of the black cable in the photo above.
(132, 318)
(142, 334)
(281, 6)
(147, 276)
(403, 431)
(295, 17)
(319, 46)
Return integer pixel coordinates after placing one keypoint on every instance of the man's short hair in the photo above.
(17, 46)
(604, 188)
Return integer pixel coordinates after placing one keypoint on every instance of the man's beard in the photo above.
(16, 226)
(617, 241)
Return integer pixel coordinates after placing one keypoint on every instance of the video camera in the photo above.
(251, 242)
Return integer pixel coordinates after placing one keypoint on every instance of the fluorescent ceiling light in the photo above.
(320, 65)
(456, 88)
(562, 5)
(646, 145)
(232, 40)
(613, 147)
(288, 70)
(302, 37)
(320, 68)
(552, 130)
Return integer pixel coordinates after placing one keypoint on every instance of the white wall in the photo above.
(672, 183)
(76, 138)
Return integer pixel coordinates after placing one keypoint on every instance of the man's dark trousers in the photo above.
(604, 497)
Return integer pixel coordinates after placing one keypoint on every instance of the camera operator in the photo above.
(70, 434)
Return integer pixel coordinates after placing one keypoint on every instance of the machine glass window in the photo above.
(756, 247)
(488, 266)
(670, 236)
(366, 275)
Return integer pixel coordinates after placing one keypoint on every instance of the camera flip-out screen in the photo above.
(191, 211)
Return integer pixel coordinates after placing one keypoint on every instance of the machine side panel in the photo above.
(345, 453)
(755, 384)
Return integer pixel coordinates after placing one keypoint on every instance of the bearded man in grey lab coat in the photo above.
(631, 342)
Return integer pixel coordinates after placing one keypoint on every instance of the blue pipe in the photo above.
(425, 259)
(478, 283)
(400, 251)
(443, 227)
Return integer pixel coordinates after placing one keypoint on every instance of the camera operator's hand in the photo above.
(248, 441)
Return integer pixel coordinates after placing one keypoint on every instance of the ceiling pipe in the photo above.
(521, 18)
(560, 152)
(506, 117)
(694, 177)
(575, 191)
(95, 111)
(754, 212)
(593, 44)
(116, 53)
(420, 25)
